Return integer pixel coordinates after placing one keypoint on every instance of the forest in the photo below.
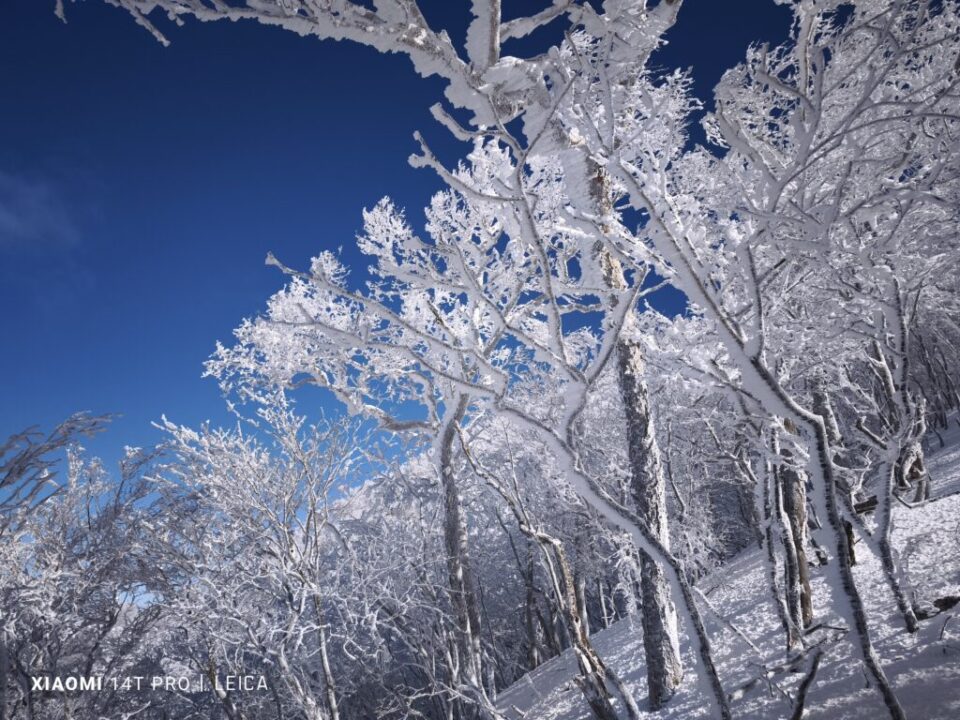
(492, 458)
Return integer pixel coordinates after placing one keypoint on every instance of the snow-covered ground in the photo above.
(924, 668)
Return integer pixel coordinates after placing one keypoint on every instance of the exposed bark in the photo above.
(329, 683)
(824, 408)
(605, 613)
(851, 539)
(460, 575)
(594, 679)
(765, 499)
(904, 427)
(660, 635)
(857, 612)
(582, 604)
(594, 674)
(226, 699)
(661, 640)
(793, 501)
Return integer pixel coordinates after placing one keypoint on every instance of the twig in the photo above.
(944, 627)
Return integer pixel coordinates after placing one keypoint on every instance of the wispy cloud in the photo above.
(43, 239)
(34, 217)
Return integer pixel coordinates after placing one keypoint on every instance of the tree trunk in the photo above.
(766, 502)
(582, 604)
(4, 662)
(227, 703)
(660, 635)
(793, 501)
(530, 610)
(605, 614)
(887, 560)
(594, 675)
(660, 632)
(329, 683)
(459, 571)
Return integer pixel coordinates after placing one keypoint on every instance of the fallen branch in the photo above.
(806, 683)
(790, 665)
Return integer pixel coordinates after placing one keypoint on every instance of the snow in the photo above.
(924, 669)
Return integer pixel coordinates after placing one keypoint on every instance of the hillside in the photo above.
(925, 669)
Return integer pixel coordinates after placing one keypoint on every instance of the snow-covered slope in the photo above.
(925, 668)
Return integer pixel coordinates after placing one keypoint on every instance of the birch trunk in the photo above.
(460, 574)
(329, 683)
(593, 673)
(792, 497)
(887, 559)
(594, 677)
(530, 609)
(765, 500)
(661, 639)
(660, 635)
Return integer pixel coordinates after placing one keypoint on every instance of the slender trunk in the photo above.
(277, 702)
(953, 390)
(795, 507)
(582, 604)
(766, 501)
(907, 423)
(824, 408)
(661, 638)
(792, 496)
(912, 414)
(329, 684)
(681, 504)
(660, 634)
(855, 612)
(799, 704)
(791, 573)
(626, 520)
(4, 662)
(910, 465)
(890, 569)
(530, 610)
(594, 674)
(459, 570)
(226, 698)
(604, 611)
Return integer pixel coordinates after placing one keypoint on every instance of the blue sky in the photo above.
(141, 188)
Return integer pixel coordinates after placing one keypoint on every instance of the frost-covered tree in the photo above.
(76, 579)
(28, 467)
(823, 207)
(261, 551)
(463, 316)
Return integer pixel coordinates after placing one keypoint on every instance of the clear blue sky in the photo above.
(142, 186)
